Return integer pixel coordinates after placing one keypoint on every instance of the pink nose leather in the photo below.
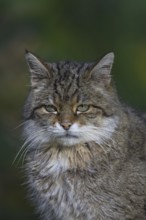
(66, 125)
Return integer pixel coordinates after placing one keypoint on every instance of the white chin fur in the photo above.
(69, 141)
(87, 133)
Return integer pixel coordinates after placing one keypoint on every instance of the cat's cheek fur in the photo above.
(35, 135)
(99, 134)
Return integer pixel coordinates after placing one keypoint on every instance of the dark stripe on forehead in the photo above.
(73, 80)
(58, 67)
(78, 81)
(55, 87)
(80, 68)
(64, 67)
(69, 86)
(76, 94)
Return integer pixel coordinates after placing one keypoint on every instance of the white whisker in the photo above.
(30, 142)
(19, 152)
(20, 125)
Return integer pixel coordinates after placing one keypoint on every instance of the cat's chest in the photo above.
(59, 193)
(56, 191)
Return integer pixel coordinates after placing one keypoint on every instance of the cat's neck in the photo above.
(88, 157)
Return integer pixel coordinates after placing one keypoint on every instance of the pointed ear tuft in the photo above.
(38, 68)
(105, 64)
(26, 51)
(102, 70)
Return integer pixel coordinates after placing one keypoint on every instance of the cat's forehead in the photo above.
(67, 64)
(70, 67)
(67, 83)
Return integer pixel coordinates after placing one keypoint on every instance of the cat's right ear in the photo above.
(101, 71)
(38, 69)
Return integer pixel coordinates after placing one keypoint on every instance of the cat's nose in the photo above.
(66, 125)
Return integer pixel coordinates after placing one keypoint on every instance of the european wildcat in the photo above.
(86, 151)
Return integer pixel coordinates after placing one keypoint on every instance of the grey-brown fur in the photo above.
(99, 176)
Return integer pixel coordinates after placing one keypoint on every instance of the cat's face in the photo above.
(70, 103)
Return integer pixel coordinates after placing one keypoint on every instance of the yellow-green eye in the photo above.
(51, 109)
(83, 108)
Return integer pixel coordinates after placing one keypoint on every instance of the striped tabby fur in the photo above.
(85, 150)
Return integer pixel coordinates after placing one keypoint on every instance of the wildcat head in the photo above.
(70, 102)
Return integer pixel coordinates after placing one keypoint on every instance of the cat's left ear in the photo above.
(38, 69)
(102, 70)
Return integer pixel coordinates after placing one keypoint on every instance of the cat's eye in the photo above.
(51, 109)
(82, 108)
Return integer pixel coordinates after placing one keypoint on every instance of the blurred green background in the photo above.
(81, 30)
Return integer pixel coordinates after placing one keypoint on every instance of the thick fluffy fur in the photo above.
(86, 151)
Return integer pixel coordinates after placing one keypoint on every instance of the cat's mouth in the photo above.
(68, 136)
(68, 139)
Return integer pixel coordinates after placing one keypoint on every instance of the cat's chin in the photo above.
(68, 140)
